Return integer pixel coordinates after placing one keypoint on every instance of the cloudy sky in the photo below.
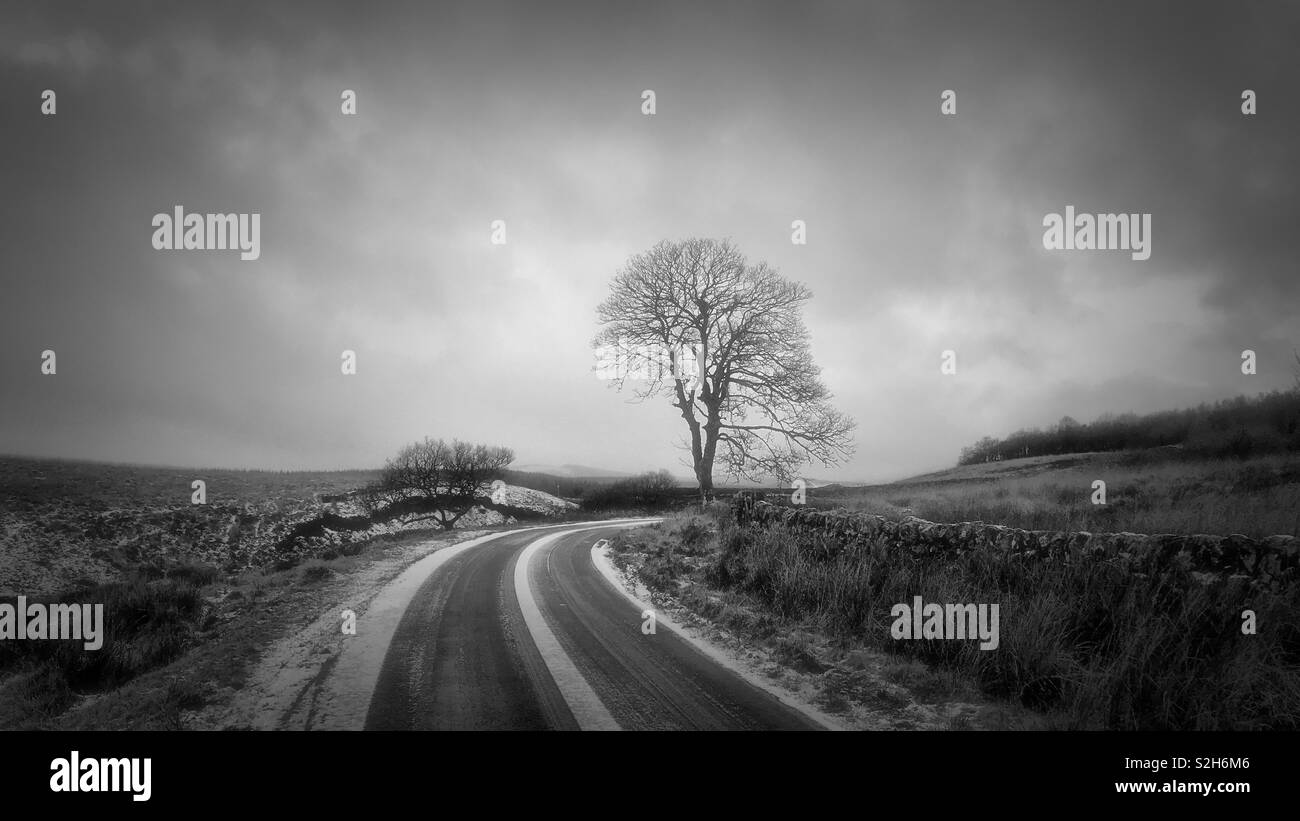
(924, 231)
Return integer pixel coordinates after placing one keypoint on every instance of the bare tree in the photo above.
(756, 401)
(436, 480)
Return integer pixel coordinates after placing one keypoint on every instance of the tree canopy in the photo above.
(755, 401)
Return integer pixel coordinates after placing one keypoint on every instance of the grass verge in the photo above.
(1085, 645)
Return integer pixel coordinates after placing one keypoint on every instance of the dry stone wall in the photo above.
(1273, 562)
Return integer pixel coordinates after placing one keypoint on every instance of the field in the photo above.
(66, 525)
(1153, 491)
(170, 573)
(28, 483)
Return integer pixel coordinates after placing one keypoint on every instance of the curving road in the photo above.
(523, 632)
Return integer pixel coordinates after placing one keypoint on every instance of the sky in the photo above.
(924, 230)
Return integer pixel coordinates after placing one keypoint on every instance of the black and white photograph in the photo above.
(922, 368)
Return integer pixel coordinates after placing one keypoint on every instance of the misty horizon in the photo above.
(579, 471)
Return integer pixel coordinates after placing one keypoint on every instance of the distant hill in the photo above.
(1239, 427)
(1154, 490)
(562, 485)
(570, 471)
(571, 481)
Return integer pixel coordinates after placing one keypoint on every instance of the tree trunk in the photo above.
(709, 449)
(704, 466)
(704, 475)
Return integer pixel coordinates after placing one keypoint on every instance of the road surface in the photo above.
(524, 632)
